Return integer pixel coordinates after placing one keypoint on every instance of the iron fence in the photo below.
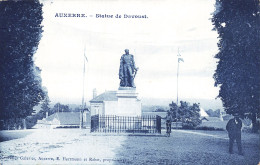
(138, 124)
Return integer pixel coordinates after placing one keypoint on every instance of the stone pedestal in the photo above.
(128, 104)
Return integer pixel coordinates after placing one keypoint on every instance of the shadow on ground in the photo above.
(187, 147)
(13, 134)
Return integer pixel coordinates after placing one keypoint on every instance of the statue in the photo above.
(127, 70)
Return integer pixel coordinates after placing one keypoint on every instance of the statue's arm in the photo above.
(121, 68)
(133, 62)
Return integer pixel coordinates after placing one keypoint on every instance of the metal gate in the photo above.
(138, 124)
(94, 123)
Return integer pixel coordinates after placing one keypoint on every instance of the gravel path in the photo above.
(75, 146)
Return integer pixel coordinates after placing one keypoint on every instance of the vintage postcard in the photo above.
(120, 82)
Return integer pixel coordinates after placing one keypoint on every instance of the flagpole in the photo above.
(177, 82)
(83, 93)
(178, 61)
(178, 67)
(84, 69)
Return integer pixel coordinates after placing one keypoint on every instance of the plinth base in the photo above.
(128, 104)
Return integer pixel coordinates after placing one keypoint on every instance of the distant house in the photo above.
(63, 120)
(203, 113)
(204, 118)
(105, 103)
(119, 103)
(215, 122)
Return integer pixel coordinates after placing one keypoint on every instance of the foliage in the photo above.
(238, 75)
(209, 128)
(32, 120)
(154, 108)
(77, 109)
(212, 113)
(188, 114)
(58, 107)
(20, 79)
(160, 110)
(12, 124)
(45, 106)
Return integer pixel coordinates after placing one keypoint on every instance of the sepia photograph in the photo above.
(172, 82)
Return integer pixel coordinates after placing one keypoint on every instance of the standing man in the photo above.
(127, 70)
(169, 120)
(234, 133)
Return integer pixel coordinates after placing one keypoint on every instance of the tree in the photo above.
(45, 106)
(58, 107)
(189, 115)
(160, 110)
(45, 109)
(20, 81)
(175, 111)
(77, 109)
(212, 113)
(238, 73)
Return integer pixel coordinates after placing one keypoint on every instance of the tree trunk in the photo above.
(15, 124)
(254, 123)
(8, 124)
(24, 124)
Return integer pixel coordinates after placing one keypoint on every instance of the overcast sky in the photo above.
(154, 42)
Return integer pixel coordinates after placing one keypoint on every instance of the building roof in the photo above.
(203, 113)
(66, 118)
(106, 96)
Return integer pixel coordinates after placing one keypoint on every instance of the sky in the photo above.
(171, 25)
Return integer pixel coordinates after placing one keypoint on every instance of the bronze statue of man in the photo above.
(127, 70)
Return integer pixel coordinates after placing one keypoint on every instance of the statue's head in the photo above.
(127, 51)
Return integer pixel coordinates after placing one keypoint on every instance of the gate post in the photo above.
(158, 124)
(94, 123)
(91, 124)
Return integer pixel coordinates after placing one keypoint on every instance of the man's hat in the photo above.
(236, 114)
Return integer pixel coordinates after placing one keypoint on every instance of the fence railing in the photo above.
(138, 124)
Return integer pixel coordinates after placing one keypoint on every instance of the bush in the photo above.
(247, 129)
(190, 127)
(32, 120)
(209, 128)
(188, 114)
(69, 126)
